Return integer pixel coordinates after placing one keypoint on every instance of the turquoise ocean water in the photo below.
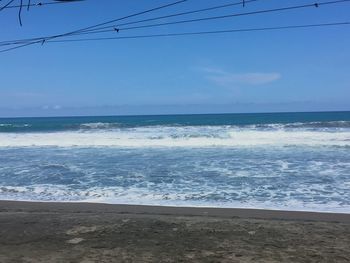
(290, 161)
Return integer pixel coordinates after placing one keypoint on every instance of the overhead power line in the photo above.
(28, 4)
(113, 27)
(25, 42)
(346, 23)
(107, 22)
(42, 40)
(6, 5)
(238, 14)
(122, 18)
(118, 28)
(38, 4)
(177, 14)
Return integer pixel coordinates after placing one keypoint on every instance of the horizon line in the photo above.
(178, 114)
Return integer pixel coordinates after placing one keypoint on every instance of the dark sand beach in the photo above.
(81, 232)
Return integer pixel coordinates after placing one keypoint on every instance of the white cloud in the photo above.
(55, 107)
(229, 79)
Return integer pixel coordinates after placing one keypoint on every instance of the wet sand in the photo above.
(80, 232)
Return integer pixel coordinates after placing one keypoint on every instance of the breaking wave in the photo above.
(183, 136)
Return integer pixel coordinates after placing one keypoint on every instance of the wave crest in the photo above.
(99, 125)
(190, 136)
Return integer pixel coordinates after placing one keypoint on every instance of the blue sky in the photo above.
(290, 70)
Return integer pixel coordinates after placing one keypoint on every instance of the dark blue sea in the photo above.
(289, 161)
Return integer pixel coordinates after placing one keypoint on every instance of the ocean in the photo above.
(288, 161)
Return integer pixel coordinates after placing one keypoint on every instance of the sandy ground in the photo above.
(58, 232)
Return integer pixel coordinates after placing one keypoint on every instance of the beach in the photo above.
(139, 188)
(83, 232)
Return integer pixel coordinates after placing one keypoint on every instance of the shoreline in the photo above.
(248, 213)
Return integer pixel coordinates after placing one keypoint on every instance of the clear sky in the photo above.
(290, 70)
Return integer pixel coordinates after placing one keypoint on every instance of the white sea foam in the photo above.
(98, 125)
(14, 125)
(190, 136)
(120, 195)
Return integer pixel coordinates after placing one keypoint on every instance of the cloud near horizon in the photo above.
(227, 79)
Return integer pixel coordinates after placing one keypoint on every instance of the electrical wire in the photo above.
(41, 4)
(118, 28)
(208, 32)
(43, 40)
(113, 27)
(6, 5)
(238, 14)
(346, 23)
(24, 42)
(176, 14)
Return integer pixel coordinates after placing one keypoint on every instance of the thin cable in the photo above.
(238, 14)
(123, 18)
(43, 3)
(250, 13)
(208, 32)
(116, 29)
(118, 19)
(28, 44)
(177, 14)
(113, 27)
(41, 40)
(195, 33)
(119, 28)
(6, 6)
